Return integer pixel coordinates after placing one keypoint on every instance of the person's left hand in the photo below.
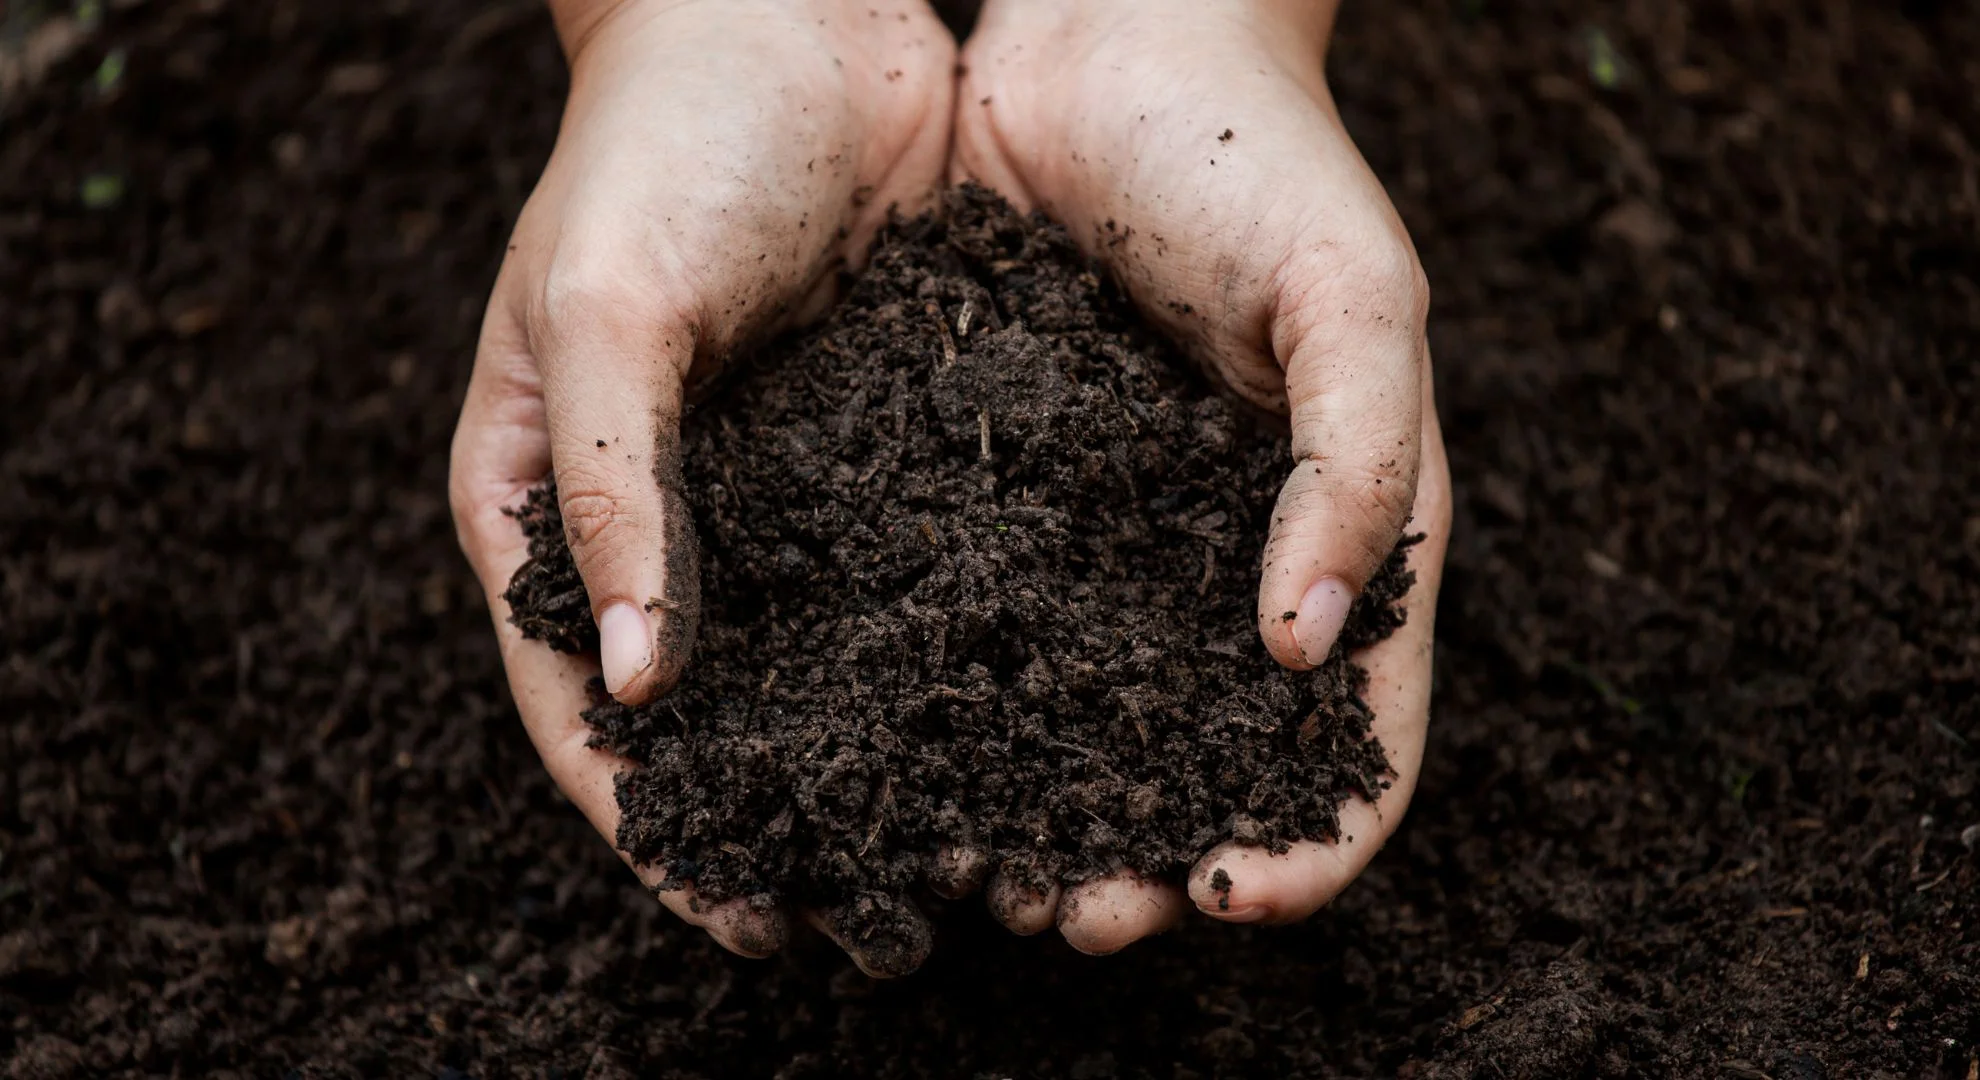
(1193, 146)
(716, 166)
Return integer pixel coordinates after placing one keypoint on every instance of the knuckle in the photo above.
(1389, 282)
(1363, 510)
(1382, 505)
(1382, 282)
(463, 503)
(599, 524)
(474, 508)
(1388, 499)
(594, 294)
(460, 490)
(586, 288)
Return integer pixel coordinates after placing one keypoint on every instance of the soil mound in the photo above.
(979, 560)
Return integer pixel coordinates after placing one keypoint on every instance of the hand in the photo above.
(1194, 147)
(716, 164)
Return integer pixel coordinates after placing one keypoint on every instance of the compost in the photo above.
(980, 574)
(1700, 790)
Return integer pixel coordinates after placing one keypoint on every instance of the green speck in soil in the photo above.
(101, 191)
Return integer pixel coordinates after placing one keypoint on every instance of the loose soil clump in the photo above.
(979, 562)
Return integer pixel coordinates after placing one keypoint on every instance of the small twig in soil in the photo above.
(1935, 882)
(885, 800)
(1948, 732)
(983, 433)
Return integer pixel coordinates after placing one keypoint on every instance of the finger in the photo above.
(1236, 883)
(1023, 910)
(612, 386)
(501, 447)
(1351, 341)
(500, 450)
(979, 149)
(886, 936)
(978, 156)
(958, 871)
(1108, 914)
(549, 689)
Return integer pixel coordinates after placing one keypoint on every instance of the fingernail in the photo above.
(1322, 613)
(1249, 913)
(1217, 903)
(625, 644)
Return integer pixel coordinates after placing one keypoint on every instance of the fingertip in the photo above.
(1300, 634)
(1023, 911)
(625, 651)
(1240, 884)
(958, 871)
(756, 928)
(886, 936)
(1276, 621)
(1221, 889)
(1323, 611)
(752, 927)
(1102, 917)
(643, 653)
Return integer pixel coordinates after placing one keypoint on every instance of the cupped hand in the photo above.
(716, 164)
(1194, 147)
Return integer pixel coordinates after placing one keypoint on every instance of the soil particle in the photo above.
(952, 598)
(46, 1057)
(1553, 1023)
(1220, 883)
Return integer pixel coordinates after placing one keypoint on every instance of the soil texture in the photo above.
(979, 573)
(1700, 793)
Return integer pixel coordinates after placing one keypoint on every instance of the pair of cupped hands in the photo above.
(721, 161)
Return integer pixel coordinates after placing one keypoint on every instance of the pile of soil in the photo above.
(980, 559)
(1703, 775)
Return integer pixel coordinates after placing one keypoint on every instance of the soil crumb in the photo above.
(1220, 883)
(979, 565)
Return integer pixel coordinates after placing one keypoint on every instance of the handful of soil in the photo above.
(979, 561)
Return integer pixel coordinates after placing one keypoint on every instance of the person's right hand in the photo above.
(1194, 147)
(717, 162)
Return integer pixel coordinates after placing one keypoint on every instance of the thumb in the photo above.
(1355, 365)
(612, 390)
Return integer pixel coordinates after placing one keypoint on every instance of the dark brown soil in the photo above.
(1700, 793)
(978, 572)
